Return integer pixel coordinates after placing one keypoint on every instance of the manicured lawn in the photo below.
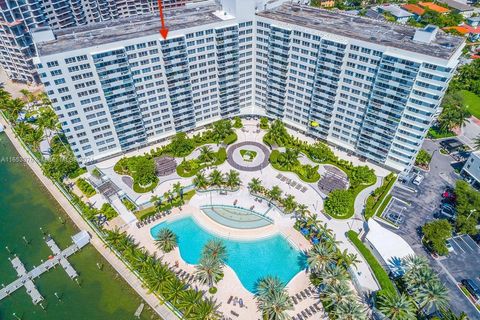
(248, 155)
(472, 102)
(380, 274)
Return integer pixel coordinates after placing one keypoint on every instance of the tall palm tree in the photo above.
(166, 240)
(156, 201)
(346, 259)
(255, 185)
(216, 178)
(206, 154)
(206, 309)
(169, 196)
(350, 311)
(157, 276)
(448, 314)
(215, 249)
(14, 107)
(338, 294)
(289, 159)
(432, 294)
(275, 193)
(48, 120)
(276, 306)
(301, 211)
(189, 302)
(397, 306)
(178, 189)
(173, 290)
(477, 142)
(4, 97)
(34, 137)
(209, 271)
(233, 179)
(334, 275)
(289, 203)
(200, 181)
(320, 256)
(268, 285)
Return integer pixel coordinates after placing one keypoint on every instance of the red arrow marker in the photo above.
(163, 29)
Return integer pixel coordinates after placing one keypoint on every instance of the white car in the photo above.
(449, 246)
(418, 179)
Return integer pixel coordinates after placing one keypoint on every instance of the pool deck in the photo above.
(231, 284)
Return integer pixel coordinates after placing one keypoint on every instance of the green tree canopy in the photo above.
(436, 233)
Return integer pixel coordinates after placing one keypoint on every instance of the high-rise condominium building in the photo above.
(367, 86)
(19, 17)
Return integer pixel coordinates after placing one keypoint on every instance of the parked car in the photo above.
(449, 246)
(472, 287)
(418, 179)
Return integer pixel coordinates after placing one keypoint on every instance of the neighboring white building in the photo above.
(400, 15)
(471, 169)
(373, 87)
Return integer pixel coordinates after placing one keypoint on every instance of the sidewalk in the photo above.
(120, 267)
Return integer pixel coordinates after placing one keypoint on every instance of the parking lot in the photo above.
(420, 203)
(395, 211)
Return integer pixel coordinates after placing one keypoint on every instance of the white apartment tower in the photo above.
(372, 87)
(19, 17)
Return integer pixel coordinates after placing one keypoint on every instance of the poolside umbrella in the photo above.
(304, 231)
(315, 240)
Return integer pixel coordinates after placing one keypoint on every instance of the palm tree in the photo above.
(166, 240)
(157, 276)
(173, 290)
(205, 309)
(396, 306)
(448, 314)
(189, 302)
(216, 178)
(289, 203)
(156, 201)
(178, 189)
(275, 193)
(14, 107)
(320, 256)
(34, 137)
(477, 142)
(276, 306)
(289, 159)
(334, 275)
(350, 311)
(346, 259)
(215, 249)
(268, 285)
(338, 294)
(200, 181)
(301, 211)
(4, 97)
(255, 185)
(432, 294)
(48, 120)
(272, 298)
(209, 271)
(233, 179)
(206, 154)
(169, 196)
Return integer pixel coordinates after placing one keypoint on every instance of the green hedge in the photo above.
(139, 189)
(230, 139)
(85, 187)
(380, 274)
(299, 170)
(150, 211)
(378, 196)
(195, 164)
(129, 204)
(108, 211)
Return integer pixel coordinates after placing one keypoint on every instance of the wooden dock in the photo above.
(25, 278)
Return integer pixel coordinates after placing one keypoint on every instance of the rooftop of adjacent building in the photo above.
(128, 28)
(395, 35)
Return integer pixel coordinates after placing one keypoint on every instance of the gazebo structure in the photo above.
(165, 166)
(332, 179)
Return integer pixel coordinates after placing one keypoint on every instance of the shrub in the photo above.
(361, 175)
(212, 290)
(85, 187)
(237, 122)
(231, 138)
(423, 158)
(378, 196)
(380, 274)
(338, 204)
(189, 168)
(108, 211)
(264, 123)
(129, 204)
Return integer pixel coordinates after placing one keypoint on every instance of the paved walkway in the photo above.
(236, 160)
(120, 267)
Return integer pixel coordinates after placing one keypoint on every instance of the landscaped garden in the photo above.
(248, 155)
(340, 203)
(379, 196)
(85, 187)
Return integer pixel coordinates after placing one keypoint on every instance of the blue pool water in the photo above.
(251, 260)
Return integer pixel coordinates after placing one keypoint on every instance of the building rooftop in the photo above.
(395, 35)
(395, 10)
(434, 7)
(413, 8)
(128, 28)
(457, 5)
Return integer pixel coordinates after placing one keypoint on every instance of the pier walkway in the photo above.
(25, 278)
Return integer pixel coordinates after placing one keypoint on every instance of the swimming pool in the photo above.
(251, 260)
(236, 217)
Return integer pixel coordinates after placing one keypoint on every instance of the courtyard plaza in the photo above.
(307, 194)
